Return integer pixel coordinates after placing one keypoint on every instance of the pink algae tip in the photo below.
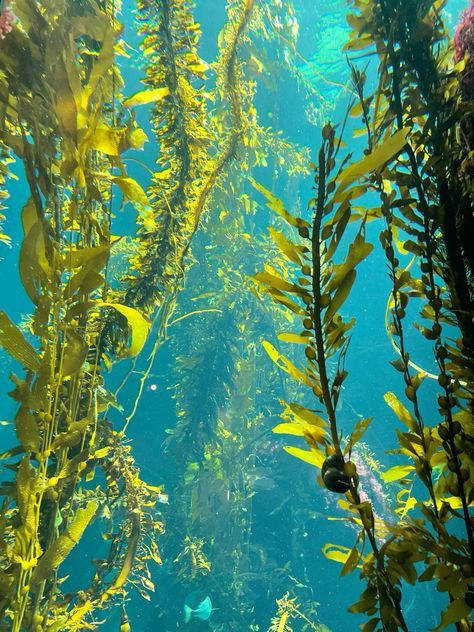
(464, 34)
(7, 19)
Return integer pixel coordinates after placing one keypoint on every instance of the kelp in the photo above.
(413, 161)
(216, 449)
(66, 120)
(59, 79)
(289, 610)
(191, 160)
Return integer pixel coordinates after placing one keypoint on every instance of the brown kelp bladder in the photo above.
(414, 160)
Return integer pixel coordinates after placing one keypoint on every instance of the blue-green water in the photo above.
(262, 518)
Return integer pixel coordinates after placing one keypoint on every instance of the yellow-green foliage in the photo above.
(58, 74)
(61, 547)
(423, 216)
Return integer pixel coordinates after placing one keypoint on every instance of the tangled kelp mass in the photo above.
(179, 280)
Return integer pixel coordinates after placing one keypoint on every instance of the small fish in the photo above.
(198, 605)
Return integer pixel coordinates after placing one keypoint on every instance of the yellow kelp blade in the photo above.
(61, 547)
(14, 343)
(139, 325)
(146, 96)
(382, 154)
(313, 457)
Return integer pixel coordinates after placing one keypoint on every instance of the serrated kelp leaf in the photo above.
(277, 205)
(103, 62)
(287, 247)
(14, 343)
(61, 547)
(113, 141)
(34, 267)
(27, 430)
(301, 429)
(304, 414)
(400, 410)
(284, 363)
(382, 154)
(146, 96)
(359, 249)
(74, 354)
(29, 216)
(132, 191)
(313, 457)
(340, 295)
(278, 283)
(138, 324)
(25, 491)
(338, 233)
(398, 364)
(397, 472)
(367, 601)
(23, 394)
(72, 436)
(85, 280)
(64, 82)
(352, 561)
(358, 432)
(284, 300)
(84, 256)
(92, 25)
(71, 467)
(289, 428)
(358, 43)
(369, 626)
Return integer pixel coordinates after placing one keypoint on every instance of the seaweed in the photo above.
(414, 160)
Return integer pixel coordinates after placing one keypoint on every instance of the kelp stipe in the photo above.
(416, 160)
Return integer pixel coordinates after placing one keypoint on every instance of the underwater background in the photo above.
(244, 524)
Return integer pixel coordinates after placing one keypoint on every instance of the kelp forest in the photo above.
(237, 315)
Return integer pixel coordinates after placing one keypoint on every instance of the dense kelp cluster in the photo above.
(416, 160)
(217, 448)
(67, 123)
(70, 479)
(60, 90)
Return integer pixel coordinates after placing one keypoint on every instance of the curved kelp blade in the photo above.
(61, 548)
(138, 324)
(13, 341)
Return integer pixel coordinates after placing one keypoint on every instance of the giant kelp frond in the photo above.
(171, 37)
(191, 162)
(5, 159)
(58, 81)
(205, 367)
(414, 129)
(418, 64)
